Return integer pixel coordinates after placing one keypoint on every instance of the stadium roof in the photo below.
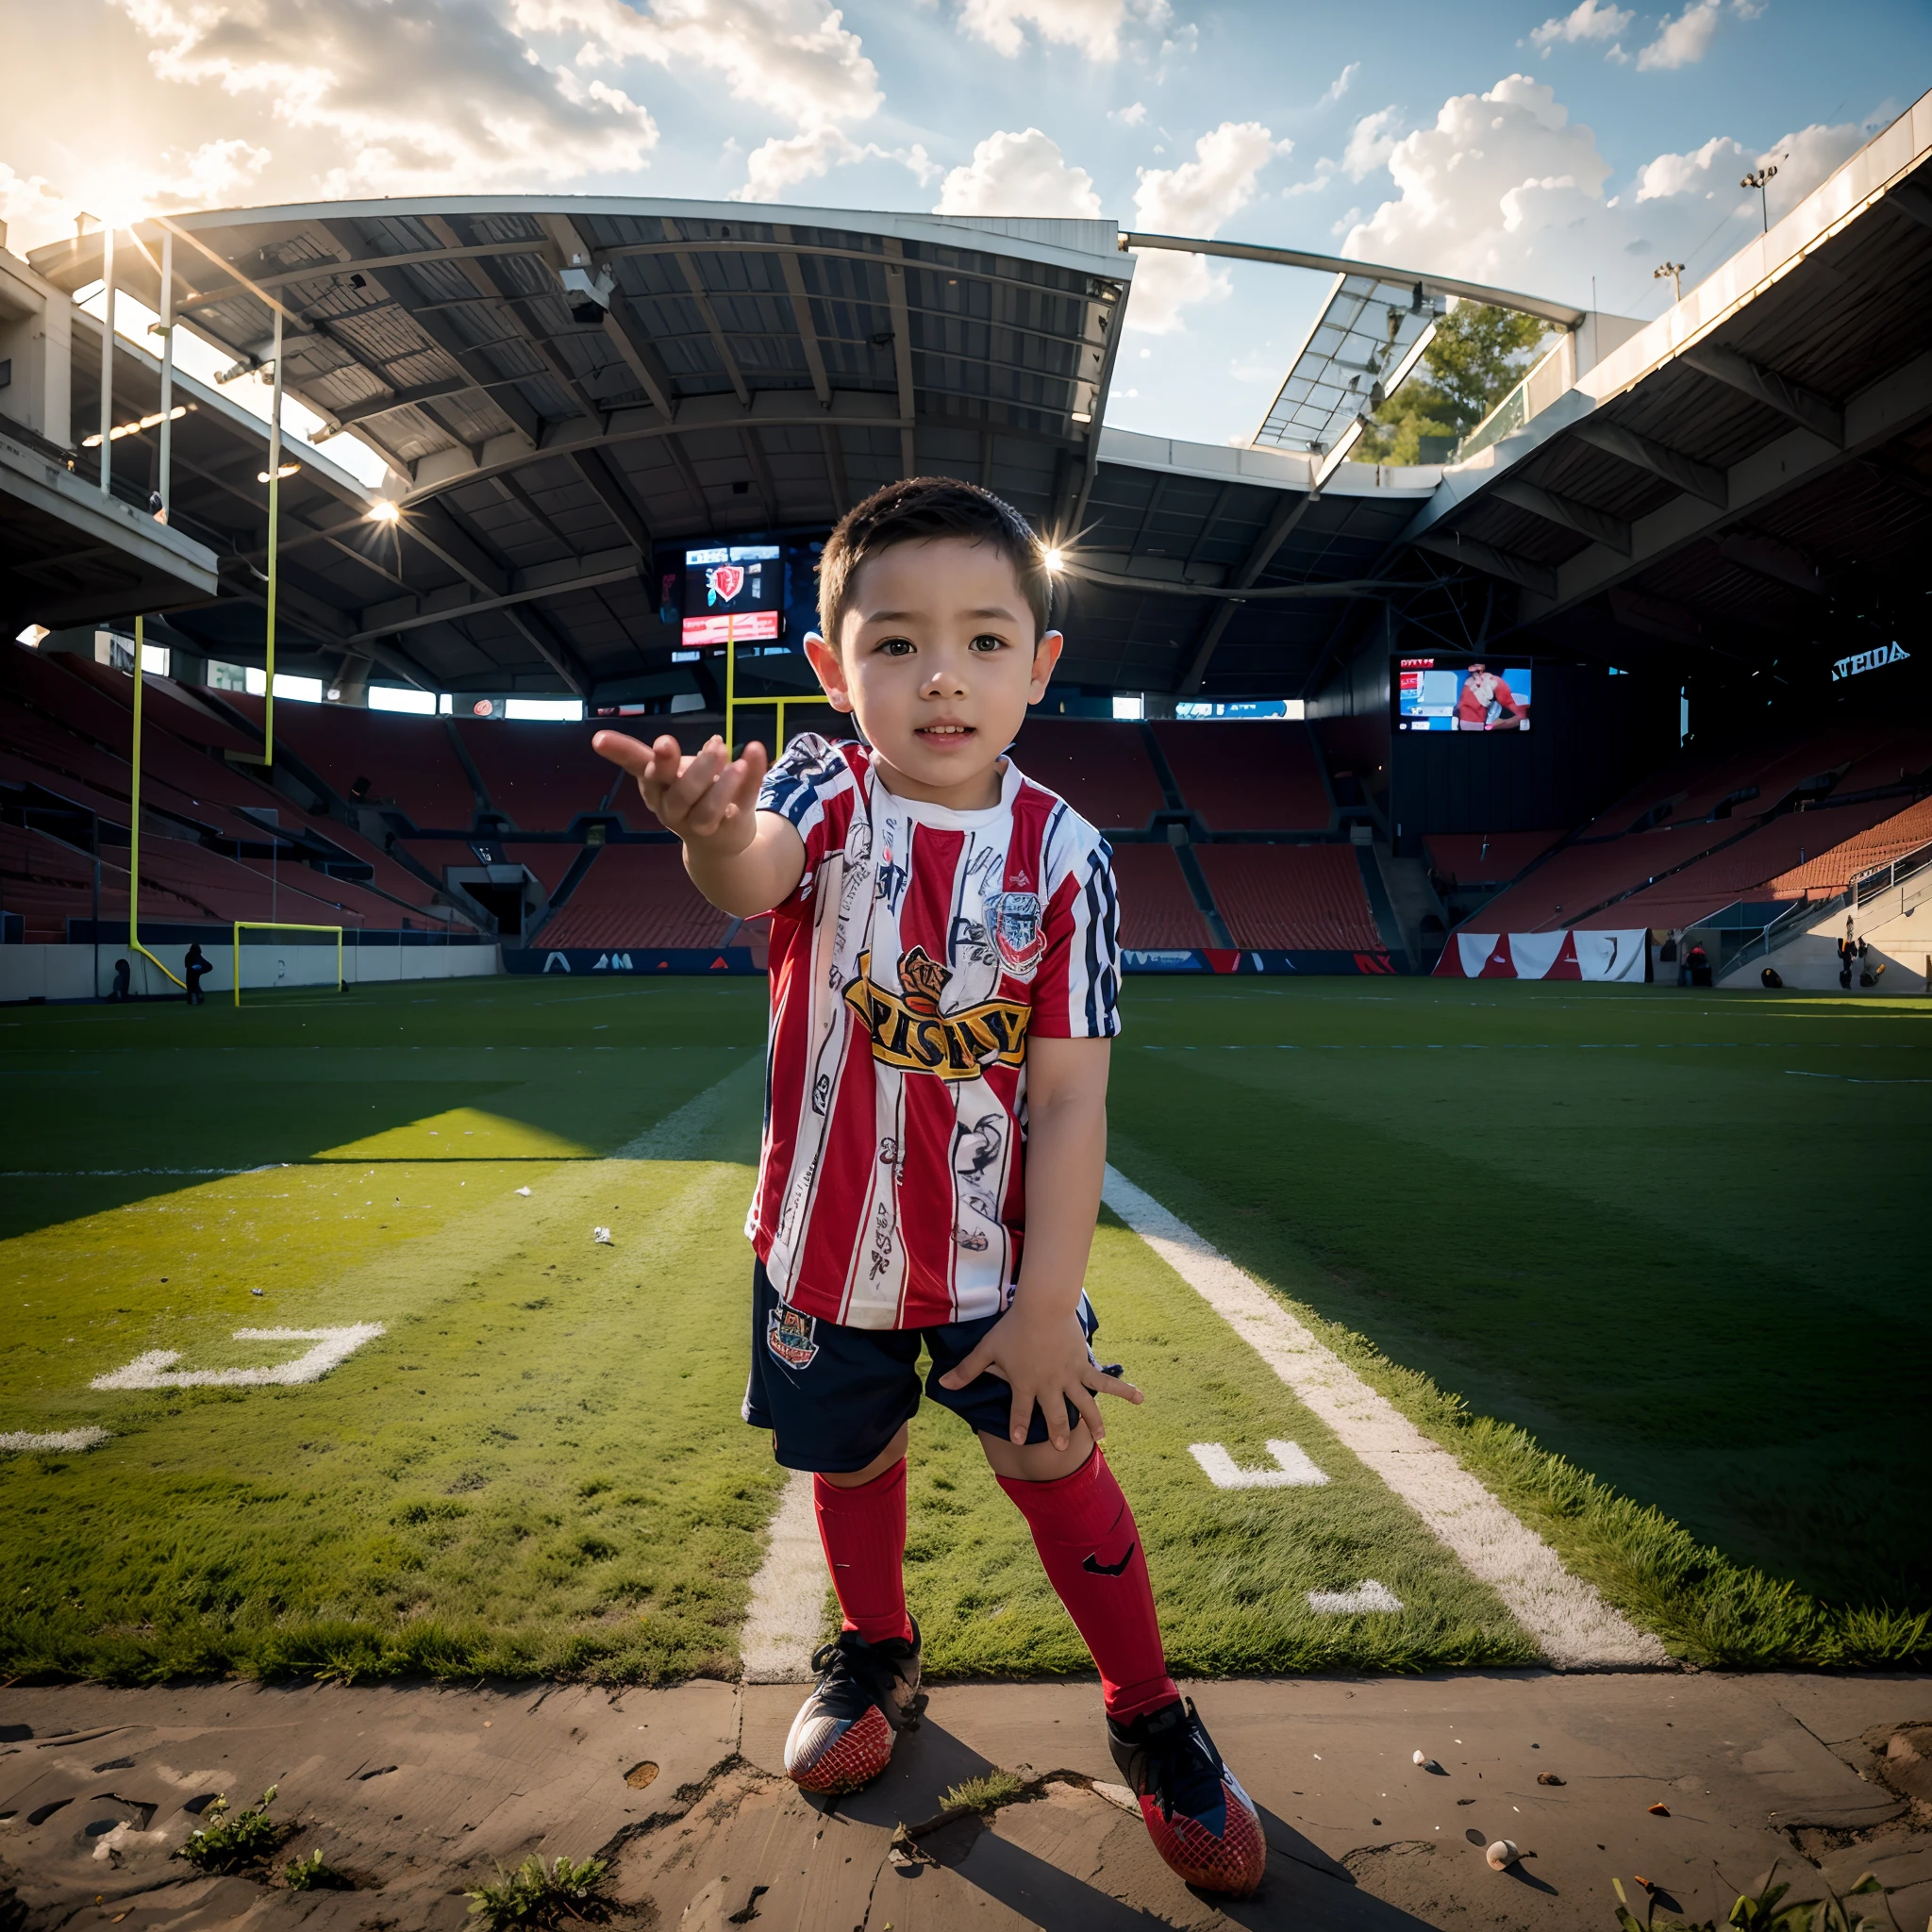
(711, 369)
(1751, 472)
(569, 390)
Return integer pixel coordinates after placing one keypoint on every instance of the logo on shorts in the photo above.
(1013, 918)
(789, 1335)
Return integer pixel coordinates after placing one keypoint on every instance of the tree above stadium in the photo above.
(1478, 355)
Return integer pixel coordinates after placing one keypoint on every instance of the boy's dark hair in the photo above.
(925, 506)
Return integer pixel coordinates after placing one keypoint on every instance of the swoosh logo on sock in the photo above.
(1095, 1567)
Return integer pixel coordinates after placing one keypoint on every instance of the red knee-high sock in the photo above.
(863, 1531)
(1087, 1539)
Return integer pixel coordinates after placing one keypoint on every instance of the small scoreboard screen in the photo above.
(733, 594)
(1468, 694)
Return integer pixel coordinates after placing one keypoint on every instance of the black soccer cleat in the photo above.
(842, 1738)
(1201, 1821)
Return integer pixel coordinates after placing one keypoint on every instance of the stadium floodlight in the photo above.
(1055, 559)
(1761, 178)
(384, 510)
(1675, 271)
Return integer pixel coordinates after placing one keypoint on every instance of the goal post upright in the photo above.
(243, 926)
(134, 944)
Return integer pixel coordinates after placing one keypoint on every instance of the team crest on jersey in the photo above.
(1013, 919)
(790, 1336)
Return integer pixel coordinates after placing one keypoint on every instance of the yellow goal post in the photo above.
(243, 926)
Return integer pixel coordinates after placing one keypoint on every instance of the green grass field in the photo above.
(1666, 1248)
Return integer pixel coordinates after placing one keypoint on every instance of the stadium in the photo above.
(1525, 1359)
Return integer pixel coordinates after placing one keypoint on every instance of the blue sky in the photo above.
(1536, 145)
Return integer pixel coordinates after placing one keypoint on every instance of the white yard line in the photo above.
(1572, 1623)
(787, 1620)
(672, 1138)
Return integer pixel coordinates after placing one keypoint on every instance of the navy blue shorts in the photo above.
(833, 1397)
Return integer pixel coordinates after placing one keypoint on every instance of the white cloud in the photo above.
(1128, 117)
(1018, 174)
(1709, 175)
(1094, 26)
(1370, 141)
(33, 209)
(1341, 84)
(1195, 199)
(412, 94)
(1588, 21)
(786, 56)
(1683, 41)
(779, 165)
(1504, 188)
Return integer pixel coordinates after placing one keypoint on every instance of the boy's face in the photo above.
(938, 660)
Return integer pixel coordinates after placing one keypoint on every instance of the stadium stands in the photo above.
(1723, 836)
(66, 730)
(48, 883)
(1158, 911)
(635, 895)
(1832, 872)
(1101, 769)
(1247, 776)
(1290, 898)
(411, 763)
(542, 778)
(1485, 858)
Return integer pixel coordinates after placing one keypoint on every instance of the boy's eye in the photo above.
(895, 647)
(987, 642)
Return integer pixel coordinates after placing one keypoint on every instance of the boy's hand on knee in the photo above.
(1046, 1359)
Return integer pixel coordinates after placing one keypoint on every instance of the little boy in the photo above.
(944, 973)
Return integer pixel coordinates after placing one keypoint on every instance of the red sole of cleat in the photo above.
(849, 1762)
(1232, 1865)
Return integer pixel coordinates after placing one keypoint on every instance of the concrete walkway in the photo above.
(417, 1791)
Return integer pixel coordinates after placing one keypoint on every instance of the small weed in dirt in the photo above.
(314, 1873)
(220, 1843)
(1770, 1910)
(982, 1794)
(549, 1897)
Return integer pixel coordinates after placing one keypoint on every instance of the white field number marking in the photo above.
(1367, 1596)
(1572, 1623)
(1293, 1468)
(333, 1346)
(21, 1442)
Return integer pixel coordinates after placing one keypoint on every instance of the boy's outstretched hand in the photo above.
(708, 799)
(1046, 1360)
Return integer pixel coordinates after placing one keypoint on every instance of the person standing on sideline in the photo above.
(122, 980)
(194, 969)
(946, 981)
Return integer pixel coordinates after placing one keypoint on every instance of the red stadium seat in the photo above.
(1290, 898)
(1157, 913)
(1240, 776)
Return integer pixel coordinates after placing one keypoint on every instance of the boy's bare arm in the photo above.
(1038, 1345)
(744, 861)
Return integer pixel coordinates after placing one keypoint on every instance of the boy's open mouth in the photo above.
(945, 734)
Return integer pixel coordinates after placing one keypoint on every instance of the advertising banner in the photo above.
(632, 961)
(1546, 956)
(1220, 959)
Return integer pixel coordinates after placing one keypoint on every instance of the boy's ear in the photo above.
(830, 667)
(1046, 653)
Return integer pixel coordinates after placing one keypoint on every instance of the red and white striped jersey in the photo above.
(921, 949)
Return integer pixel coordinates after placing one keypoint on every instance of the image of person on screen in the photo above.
(1484, 703)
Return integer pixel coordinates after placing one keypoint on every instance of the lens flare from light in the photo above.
(1055, 560)
(384, 512)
